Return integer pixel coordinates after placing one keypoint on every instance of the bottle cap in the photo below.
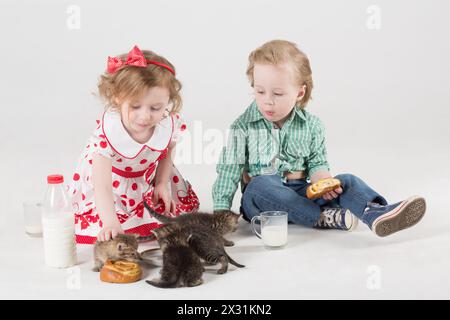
(55, 179)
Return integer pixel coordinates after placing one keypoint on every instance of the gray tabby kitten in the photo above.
(181, 266)
(222, 222)
(122, 247)
(206, 243)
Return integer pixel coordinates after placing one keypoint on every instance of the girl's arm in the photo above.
(102, 182)
(322, 174)
(162, 179)
(165, 166)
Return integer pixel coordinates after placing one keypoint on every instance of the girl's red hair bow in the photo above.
(135, 58)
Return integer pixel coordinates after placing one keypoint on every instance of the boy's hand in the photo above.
(333, 194)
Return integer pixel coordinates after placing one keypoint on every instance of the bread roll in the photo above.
(318, 189)
(120, 271)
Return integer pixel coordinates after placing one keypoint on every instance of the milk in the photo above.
(59, 240)
(274, 228)
(58, 225)
(35, 231)
(274, 236)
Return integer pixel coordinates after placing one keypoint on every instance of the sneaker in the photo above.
(385, 220)
(337, 218)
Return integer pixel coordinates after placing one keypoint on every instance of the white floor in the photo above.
(385, 112)
(413, 264)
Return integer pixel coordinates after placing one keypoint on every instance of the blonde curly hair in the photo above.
(131, 82)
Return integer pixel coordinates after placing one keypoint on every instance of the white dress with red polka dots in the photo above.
(133, 172)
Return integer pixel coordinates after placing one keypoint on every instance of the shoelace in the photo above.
(330, 217)
(371, 205)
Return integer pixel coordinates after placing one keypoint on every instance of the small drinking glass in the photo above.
(274, 228)
(32, 211)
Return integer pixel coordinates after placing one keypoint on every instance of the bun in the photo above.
(120, 272)
(318, 189)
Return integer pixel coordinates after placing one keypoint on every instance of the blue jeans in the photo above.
(269, 193)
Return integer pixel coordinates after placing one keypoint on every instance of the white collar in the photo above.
(125, 145)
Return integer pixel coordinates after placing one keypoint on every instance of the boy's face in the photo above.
(276, 91)
(139, 117)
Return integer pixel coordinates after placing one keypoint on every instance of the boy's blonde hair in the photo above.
(130, 82)
(277, 52)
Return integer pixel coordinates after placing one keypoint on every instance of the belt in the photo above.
(294, 175)
(289, 176)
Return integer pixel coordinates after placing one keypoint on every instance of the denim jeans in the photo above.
(270, 193)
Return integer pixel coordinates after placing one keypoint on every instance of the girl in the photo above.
(280, 146)
(128, 158)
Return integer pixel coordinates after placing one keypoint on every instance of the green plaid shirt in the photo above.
(256, 145)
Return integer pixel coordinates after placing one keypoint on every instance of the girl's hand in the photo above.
(332, 194)
(161, 191)
(109, 232)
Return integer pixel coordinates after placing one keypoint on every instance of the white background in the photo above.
(382, 93)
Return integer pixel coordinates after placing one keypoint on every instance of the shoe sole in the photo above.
(404, 216)
(355, 222)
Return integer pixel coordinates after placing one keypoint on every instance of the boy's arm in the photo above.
(318, 175)
(226, 184)
(317, 164)
(318, 167)
(230, 167)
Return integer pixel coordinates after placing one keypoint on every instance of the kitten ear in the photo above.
(155, 233)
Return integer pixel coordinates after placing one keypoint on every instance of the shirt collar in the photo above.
(253, 113)
(124, 144)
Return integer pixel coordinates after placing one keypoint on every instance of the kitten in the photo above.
(181, 266)
(222, 222)
(122, 247)
(206, 243)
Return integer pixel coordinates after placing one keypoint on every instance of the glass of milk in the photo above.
(274, 228)
(32, 213)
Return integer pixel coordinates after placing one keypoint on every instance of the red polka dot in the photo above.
(143, 161)
(103, 144)
(128, 169)
(83, 197)
(123, 196)
(124, 203)
(90, 161)
(175, 179)
(183, 127)
(134, 186)
(116, 184)
(98, 121)
(102, 136)
(119, 160)
(132, 202)
(178, 117)
(95, 145)
(76, 177)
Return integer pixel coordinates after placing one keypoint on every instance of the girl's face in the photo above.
(140, 117)
(276, 91)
